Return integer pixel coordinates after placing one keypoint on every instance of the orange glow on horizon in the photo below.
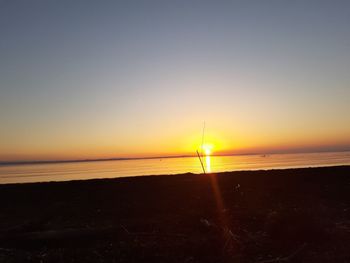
(219, 140)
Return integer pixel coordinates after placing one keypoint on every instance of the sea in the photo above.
(66, 171)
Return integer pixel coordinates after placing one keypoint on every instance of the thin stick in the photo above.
(200, 159)
(202, 139)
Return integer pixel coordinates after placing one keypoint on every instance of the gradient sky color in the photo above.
(100, 79)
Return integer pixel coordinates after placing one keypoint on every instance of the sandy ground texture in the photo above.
(293, 215)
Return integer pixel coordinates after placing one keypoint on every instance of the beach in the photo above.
(290, 215)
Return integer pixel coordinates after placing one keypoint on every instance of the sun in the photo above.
(207, 149)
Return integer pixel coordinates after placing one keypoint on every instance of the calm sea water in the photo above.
(110, 169)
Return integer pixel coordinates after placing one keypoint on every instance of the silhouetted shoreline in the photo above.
(91, 160)
(295, 215)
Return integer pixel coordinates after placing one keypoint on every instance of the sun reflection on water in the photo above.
(207, 163)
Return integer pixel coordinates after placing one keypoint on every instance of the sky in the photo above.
(101, 79)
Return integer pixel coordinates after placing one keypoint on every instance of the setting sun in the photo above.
(207, 149)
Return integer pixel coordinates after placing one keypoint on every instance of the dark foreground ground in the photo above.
(300, 215)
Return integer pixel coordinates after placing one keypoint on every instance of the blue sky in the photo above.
(136, 78)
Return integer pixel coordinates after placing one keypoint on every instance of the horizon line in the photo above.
(30, 162)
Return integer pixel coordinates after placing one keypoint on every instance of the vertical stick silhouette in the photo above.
(200, 159)
(200, 156)
(202, 139)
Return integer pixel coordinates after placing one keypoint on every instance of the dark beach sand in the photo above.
(295, 215)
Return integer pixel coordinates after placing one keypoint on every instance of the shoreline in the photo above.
(182, 174)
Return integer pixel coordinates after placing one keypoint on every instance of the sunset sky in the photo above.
(100, 79)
